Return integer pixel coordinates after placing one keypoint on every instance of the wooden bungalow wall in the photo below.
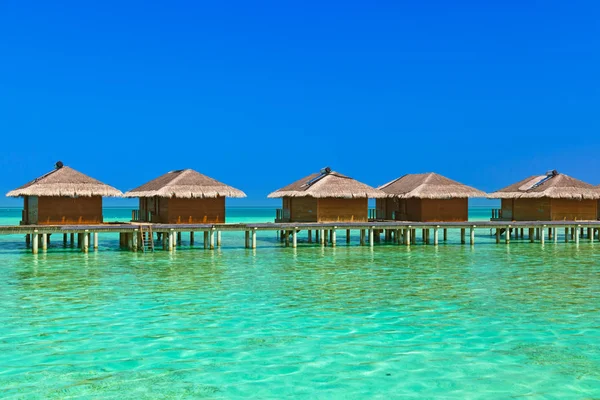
(192, 211)
(424, 210)
(545, 209)
(55, 210)
(310, 209)
(343, 210)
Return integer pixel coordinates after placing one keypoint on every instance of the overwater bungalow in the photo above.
(325, 196)
(182, 197)
(425, 197)
(63, 196)
(549, 197)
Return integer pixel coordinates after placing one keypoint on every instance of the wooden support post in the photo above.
(537, 233)
(507, 236)
(497, 235)
(577, 233)
(543, 234)
(407, 236)
(331, 236)
(348, 236)
(334, 236)
(65, 239)
(322, 237)
(462, 235)
(171, 240)
(96, 240)
(566, 235)
(35, 242)
(72, 239)
(531, 237)
(134, 240)
(295, 238)
(247, 239)
(435, 235)
(44, 241)
(445, 234)
(205, 240)
(472, 239)
(555, 235)
(522, 234)
(309, 236)
(362, 237)
(254, 238)
(550, 237)
(86, 242)
(211, 239)
(218, 238)
(191, 238)
(590, 235)
(371, 237)
(423, 235)
(325, 236)
(165, 241)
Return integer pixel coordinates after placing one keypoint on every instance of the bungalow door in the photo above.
(32, 210)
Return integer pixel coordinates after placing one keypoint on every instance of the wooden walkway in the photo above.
(134, 236)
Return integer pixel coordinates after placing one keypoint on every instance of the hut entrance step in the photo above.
(147, 238)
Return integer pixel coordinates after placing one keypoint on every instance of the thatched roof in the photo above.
(556, 186)
(65, 182)
(428, 186)
(328, 184)
(185, 183)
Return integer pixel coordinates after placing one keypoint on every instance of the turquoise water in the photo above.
(489, 321)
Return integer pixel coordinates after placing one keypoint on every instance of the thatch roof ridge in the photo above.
(559, 186)
(65, 182)
(185, 183)
(428, 185)
(331, 184)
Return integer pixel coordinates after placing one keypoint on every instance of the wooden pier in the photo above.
(144, 237)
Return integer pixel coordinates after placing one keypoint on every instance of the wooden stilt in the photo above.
(65, 239)
(333, 236)
(371, 237)
(362, 237)
(86, 242)
(531, 233)
(287, 238)
(435, 235)
(191, 238)
(247, 240)
(171, 240)
(566, 235)
(205, 240)
(542, 234)
(218, 238)
(462, 236)
(35, 242)
(44, 241)
(211, 239)
(407, 236)
(165, 241)
(322, 237)
(497, 235)
(96, 240)
(309, 236)
(445, 234)
(577, 233)
(507, 236)
(134, 240)
(254, 238)
(72, 239)
(472, 239)
(295, 238)
(348, 236)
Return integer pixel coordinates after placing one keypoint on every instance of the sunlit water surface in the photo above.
(489, 321)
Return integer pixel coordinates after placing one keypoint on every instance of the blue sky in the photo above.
(258, 94)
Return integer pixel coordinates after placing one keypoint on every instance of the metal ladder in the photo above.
(147, 238)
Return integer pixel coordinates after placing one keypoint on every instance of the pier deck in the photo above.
(136, 235)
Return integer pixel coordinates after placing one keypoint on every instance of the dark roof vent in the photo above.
(59, 165)
(323, 173)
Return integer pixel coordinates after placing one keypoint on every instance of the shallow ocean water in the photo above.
(489, 321)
